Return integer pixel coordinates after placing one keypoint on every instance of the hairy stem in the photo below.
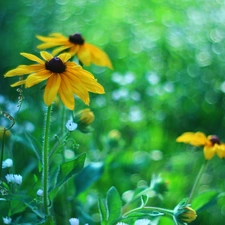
(197, 181)
(2, 152)
(45, 161)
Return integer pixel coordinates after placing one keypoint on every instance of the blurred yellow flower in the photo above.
(63, 77)
(75, 45)
(183, 213)
(211, 143)
(84, 118)
(188, 215)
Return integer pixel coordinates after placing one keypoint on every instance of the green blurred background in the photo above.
(168, 78)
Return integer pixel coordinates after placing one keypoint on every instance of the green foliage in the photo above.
(168, 78)
(66, 171)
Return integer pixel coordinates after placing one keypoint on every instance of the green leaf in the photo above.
(144, 200)
(88, 176)
(67, 170)
(102, 212)
(205, 200)
(35, 145)
(114, 205)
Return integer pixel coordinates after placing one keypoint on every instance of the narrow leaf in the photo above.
(204, 199)
(67, 170)
(35, 145)
(114, 205)
(88, 176)
(102, 212)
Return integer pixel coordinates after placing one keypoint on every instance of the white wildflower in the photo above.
(9, 178)
(74, 221)
(121, 223)
(142, 222)
(40, 192)
(71, 126)
(7, 163)
(14, 178)
(18, 179)
(7, 220)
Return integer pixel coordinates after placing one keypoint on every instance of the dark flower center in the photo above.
(76, 39)
(55, 65)
(214, 139)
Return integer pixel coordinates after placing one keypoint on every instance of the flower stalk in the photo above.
(202, 169)
(2, 152)
(45, 161)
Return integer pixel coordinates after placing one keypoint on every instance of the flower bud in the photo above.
(83, 119)
(184, 213)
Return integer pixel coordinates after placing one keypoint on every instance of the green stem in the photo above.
(2, 152)
(150, 208)
(197, 181)
(45, 161)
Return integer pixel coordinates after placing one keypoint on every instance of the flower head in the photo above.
(40, 192)
(74, 221)
(75, 45)
(211, 143)
(71, 126)
(63, 77)
(7, 220)
(84, 118)
(159, 185)
(14, 178)
(184, 213)
(7, 163)
(142, 222)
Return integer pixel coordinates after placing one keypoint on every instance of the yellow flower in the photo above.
(63, 77)
(212, 144)
(188, 215)
(184, 213)
(75, 45)
(84, 118)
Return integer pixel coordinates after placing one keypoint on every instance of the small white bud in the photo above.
(18, 179)
(7, 163)
(71, 126)
(74, 221)
(14, 178)
(7, 220)
(40, 192)
(142, 222)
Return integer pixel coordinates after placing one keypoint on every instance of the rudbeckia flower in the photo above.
(211, 143)
(63, 77)
(75, 45)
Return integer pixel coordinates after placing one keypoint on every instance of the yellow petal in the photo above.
(196, 139)
(74, 48)
(20, 70)
(84, 55)
(18, 83)
(36, 78)
(64, 57)
(45, 55)
(66, 93)
(56, 51)
(53, 40)
(32, 57)
(78, 88)
(52, 88)
(209, 152)
(220, 150)
(99, 57)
